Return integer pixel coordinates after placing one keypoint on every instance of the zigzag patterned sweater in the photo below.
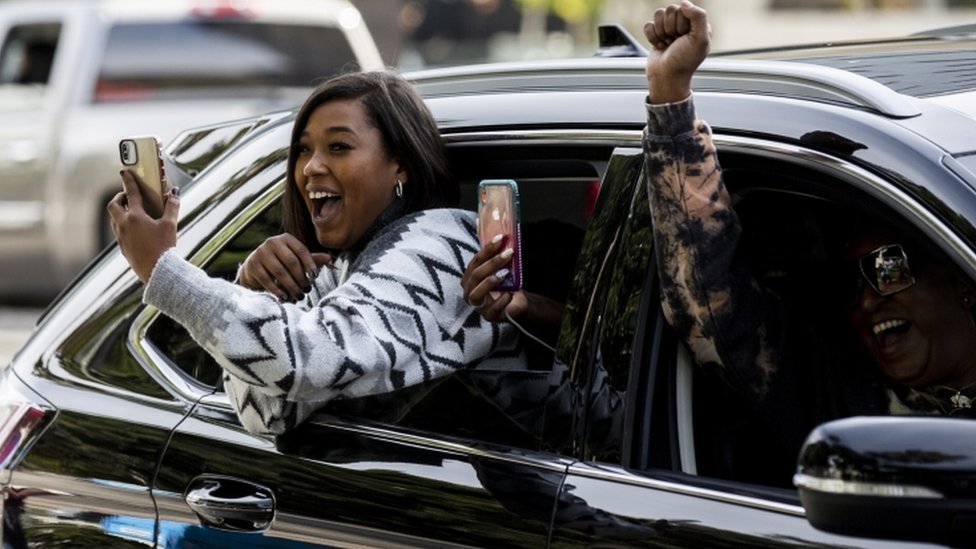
(390, 317)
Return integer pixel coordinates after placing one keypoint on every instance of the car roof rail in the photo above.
(787, 79)
(615, 41)
(956, 31)
(805, 81)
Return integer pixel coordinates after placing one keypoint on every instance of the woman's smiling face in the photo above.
(344, 173)
(921, 336)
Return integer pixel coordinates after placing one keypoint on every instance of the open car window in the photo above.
(797, 219)
(558, 189)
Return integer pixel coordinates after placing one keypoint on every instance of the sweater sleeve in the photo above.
(399, 319)
(708, 292)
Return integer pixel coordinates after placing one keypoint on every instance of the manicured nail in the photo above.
(498, 238)
(507, 253)
(501, 273)
(175, 191)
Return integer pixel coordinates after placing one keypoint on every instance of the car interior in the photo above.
(796, 225)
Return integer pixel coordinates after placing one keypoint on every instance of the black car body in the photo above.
(115, 432)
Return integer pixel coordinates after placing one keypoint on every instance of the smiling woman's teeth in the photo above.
(322, 194)
(887, 325)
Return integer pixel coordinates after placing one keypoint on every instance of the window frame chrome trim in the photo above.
(149, 355)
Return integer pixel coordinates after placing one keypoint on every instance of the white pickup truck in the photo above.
(78, 75)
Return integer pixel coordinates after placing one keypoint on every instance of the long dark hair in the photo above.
(408, 131)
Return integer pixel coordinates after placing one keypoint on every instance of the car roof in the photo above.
(559, 82)
(897, 78)
(761, 92)
(937, 64)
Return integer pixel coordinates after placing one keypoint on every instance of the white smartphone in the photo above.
(144, 156)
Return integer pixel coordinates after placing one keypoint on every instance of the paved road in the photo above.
(15, 328)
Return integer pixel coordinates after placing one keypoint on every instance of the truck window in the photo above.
(154, 60)
(28, 53)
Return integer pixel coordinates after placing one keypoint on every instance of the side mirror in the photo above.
(907, 478)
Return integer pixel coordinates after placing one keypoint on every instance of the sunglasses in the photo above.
(885, 269)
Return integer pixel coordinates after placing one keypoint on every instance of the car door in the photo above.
(91, 424)
(659, 478)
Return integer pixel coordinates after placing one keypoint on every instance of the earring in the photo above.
(965, 301)
(399, 188)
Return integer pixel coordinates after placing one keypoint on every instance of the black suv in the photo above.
(115, 431)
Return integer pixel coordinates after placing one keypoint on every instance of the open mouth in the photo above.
(324, 203)
(889, 331)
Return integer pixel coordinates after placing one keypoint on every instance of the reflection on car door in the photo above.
(337, 481)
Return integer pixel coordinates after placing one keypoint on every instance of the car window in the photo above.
(501, 407)
(597, 339)
(786, 234)
(796, 222)
(173, 340)
(149, 60)
(28, 53)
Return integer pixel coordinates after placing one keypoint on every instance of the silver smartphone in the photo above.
(143, 155)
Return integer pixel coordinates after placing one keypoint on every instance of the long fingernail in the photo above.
(502, 273)
(507, 253)
(498, 238)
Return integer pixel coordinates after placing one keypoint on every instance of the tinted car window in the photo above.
(602, 313)
(153, 58)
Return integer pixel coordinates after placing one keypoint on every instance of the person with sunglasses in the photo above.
(912, 316)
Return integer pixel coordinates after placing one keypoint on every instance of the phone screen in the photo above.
(498, 213)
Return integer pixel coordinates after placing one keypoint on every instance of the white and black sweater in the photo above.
(393, 317)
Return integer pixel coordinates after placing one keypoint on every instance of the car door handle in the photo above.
(230, 504)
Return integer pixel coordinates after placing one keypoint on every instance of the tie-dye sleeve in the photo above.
(707, 291)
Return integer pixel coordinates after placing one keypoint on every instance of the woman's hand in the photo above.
(142, 239)
(534, 313)
(680, 38)
(283, 266)
(482, 275)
